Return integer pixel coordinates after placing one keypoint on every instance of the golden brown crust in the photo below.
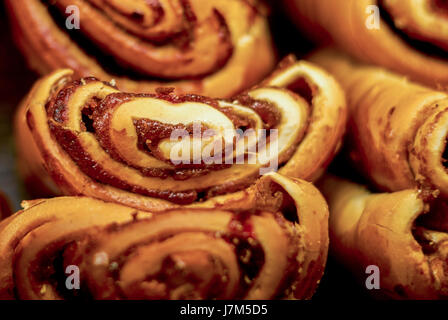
(275, 247)
(393, 45)
(389, 230)
(122, 153)
(398, 129)
(215, 48)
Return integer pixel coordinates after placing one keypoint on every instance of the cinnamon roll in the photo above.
(156, 151)
(397, 129)
(83, 248)
(404, 234)
(209, 47)
(406, 36)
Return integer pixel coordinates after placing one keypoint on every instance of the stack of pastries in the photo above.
(394, 74)
(397, 137)
(232, 232)
(215, 48)
(227, 208)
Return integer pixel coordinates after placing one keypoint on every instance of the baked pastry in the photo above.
(404, 234)
(397, 129)
(274, 247)
(209, 47)
(156, 151)
(406, 36)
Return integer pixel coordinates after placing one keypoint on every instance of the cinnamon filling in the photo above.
(193, 274)
(50, 269)
(69, 141)
(87, 122)
(199, 275)
(304, 89)
(181, 39)
(203, 278)
(96, 117)
(137, 16)
(266, 110)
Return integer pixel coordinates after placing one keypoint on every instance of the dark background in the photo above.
(16, 79)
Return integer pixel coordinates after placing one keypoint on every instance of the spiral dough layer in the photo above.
(275, 247)
(398, 129)
(407, 36)
(211, 47)
(97, 141)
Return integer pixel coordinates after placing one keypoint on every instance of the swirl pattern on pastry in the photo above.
(398, 129)
(407, 36)
(97, 141)
(215, 48)
(275, 247)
